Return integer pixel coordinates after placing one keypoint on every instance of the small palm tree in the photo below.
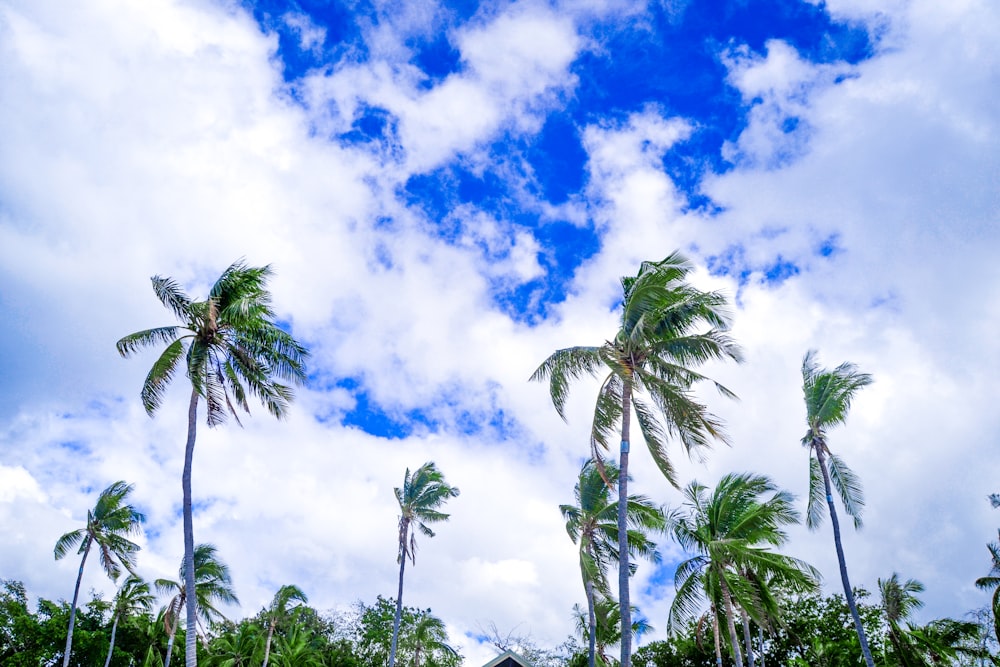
(419, 499)
(134, 597)
(605, 632)
(991, 582)
(729, 530)
(296, 649)
(937, 643)
(212, 585)
(107, 528)
(593, 525)
(283, 602)
(651, 357)
(828, 395)
(239, 647)
(429, 637)
(231, 347)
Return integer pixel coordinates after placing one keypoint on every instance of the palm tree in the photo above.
(231, 347)
(280, 607)
(419, 499)
(212, 584)
(108, 526)
(937, 643)
(133, 597)
(605, 630)
(239, 647)
(593, 524)
(991, 582)
(729, 531)
(652, 354)
(296, 649)
(828, 395)
(429, 636)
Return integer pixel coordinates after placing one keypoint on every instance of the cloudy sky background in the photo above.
(448, 193)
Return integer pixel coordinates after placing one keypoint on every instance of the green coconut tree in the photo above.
(828, 396)
(592, 524)
(107, 529)
(212, 585)
(605, 631)
(429, 637)
(230, 347)
(667, 329)
(134, 597)
(420, 498)
(285, 601)
(731, 532)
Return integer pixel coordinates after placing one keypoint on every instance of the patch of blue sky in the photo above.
(436, 57)
(662, 580)
(342, 35)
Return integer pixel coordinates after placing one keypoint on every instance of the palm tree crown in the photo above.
(108, 526)
(231, 347)
(667, 328)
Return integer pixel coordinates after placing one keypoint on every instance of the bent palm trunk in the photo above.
(848, 593)
(399, 614)
(746, 637)
(72, 609)
(591, 624)
(170, 639)
(730, 623)
(111, 649)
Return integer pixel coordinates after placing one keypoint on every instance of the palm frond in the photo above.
(170, 295)
(848, 487)
(564, 366)
(129, 345)
(815, 510)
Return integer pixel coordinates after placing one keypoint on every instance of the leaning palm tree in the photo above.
(592, 523)
(940, 642)
(419, 499)
(667, 328)
(108, 526)
(828, 395)
(729, 530)
(134, 597)
(212, 585)
(231, 346)
(281, 606)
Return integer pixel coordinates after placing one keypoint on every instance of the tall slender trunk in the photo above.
(191, 639)
(848, 593)
(267, 645)
(715, 635)
(760, 640)
(623, 568)
(170, 639)
(746, 637)
(111, 649)
(72, 608)
(399, 606)
(727, 599)
(591, 623)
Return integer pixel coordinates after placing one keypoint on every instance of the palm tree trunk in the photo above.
(267, 645)
(170, 639)
(72, 608)
(591, 623)
(727, 599)
(746, 637)
(715, 634)
(848, 593)
(111, 649)
(191, 639)
(399, 608)
(623, 569)
(760, 638)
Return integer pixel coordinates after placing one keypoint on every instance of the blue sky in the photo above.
(450, 191)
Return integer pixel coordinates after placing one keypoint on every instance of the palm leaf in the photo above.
(848, 487)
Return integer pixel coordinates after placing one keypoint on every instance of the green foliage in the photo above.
(373, 636)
